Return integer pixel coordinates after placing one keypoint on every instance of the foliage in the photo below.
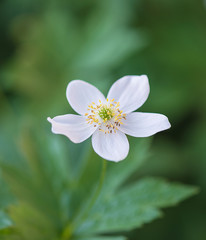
(47, 183)
(52, 204)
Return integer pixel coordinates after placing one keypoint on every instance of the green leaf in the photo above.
(157, 192)
(117, 174)
(32, 223)
(4, 220)
(134, 205)
(6, 197)
(41, 192)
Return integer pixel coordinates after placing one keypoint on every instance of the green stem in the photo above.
(70, 227)
(98, 190)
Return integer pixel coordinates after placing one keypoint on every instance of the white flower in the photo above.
(108, 120)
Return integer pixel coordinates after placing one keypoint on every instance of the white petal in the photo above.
(80, 94)
(130, 91)
(139, 124)
(73, 126)
(111, 146)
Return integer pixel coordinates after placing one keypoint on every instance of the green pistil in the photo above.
(106, 113)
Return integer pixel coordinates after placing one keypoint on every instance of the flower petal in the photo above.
(130, 91)
(73, 126)
(139, 124)
(112, 146)
(80, 94)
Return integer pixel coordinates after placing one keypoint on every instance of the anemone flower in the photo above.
(109, 119)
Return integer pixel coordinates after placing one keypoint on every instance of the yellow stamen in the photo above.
(107, 115)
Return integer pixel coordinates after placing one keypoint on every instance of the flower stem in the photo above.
(98, 190)
(67, 233)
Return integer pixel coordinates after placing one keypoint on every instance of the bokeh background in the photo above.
(45, 44)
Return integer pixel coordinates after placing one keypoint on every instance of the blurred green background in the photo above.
(45, 44)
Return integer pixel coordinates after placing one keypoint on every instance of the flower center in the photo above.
(106, 115)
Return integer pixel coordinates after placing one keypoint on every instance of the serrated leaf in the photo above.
(157, 192)
(114, 217)
(134, 205)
